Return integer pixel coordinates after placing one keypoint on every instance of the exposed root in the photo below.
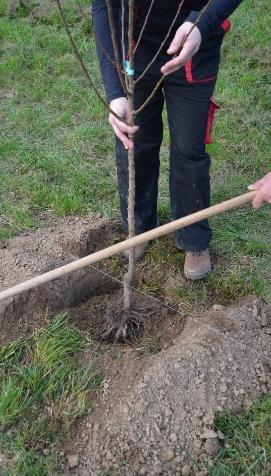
(126, 325)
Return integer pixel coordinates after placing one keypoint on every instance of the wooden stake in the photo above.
(127, 244)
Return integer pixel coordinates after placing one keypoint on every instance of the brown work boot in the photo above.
(140, 250)
(197, 264)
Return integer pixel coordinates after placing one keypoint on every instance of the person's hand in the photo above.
(184, 46)
(263, 187)
(120, 107)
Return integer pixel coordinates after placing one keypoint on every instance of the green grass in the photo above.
(55, 146)
(248, 442)
(43, 392)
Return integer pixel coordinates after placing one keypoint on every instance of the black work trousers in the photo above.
(190, 109)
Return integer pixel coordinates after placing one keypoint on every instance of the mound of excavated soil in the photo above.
(156, 415)
(31, 254)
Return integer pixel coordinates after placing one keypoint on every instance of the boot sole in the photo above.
(196, 277)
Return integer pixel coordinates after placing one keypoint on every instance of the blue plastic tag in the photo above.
(128, 68)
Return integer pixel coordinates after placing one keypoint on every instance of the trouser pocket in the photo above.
(204, 65)
(190, 78)
(210, 120)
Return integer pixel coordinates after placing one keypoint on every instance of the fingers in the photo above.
(260, 195)
(122, 130)
(128, 144)
(259, 199)
(263, 188)
(186, 54)
(123, 127)
(256, 185)
(186, 43)
(177, 42)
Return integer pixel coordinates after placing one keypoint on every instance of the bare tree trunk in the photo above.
(129, 276)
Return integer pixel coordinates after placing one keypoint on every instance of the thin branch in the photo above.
(123, 29)
(115, 45)
(86, 17)
(131, 37)
(142, 107)
(123, 37)
(144, 26)
(162, 44)
(105, 52)
(83, 66)
(82, 11)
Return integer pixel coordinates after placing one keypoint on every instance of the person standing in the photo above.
(190, 65)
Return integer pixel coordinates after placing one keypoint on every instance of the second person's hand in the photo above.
(263, 188)
(120, 107)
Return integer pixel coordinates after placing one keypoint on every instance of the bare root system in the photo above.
(126, 325)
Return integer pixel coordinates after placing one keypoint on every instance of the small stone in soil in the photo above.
(173, 437)
(218, 307)
(212, 447)
(73, 461)
(186, 470)
(168, 454)
(220, 435)
(208, 434)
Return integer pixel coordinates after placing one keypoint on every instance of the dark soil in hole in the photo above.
(156, 322)
(92, 297)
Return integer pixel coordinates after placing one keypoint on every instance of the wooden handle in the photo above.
(129, 243)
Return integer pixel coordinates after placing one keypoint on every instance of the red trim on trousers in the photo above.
(226, 25)
(210, 120)
(189, 75)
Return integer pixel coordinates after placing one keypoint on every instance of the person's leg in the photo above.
(189, 161)
(147, 146)
(188, 96)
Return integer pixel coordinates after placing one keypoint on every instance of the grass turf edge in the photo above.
(43, 392)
